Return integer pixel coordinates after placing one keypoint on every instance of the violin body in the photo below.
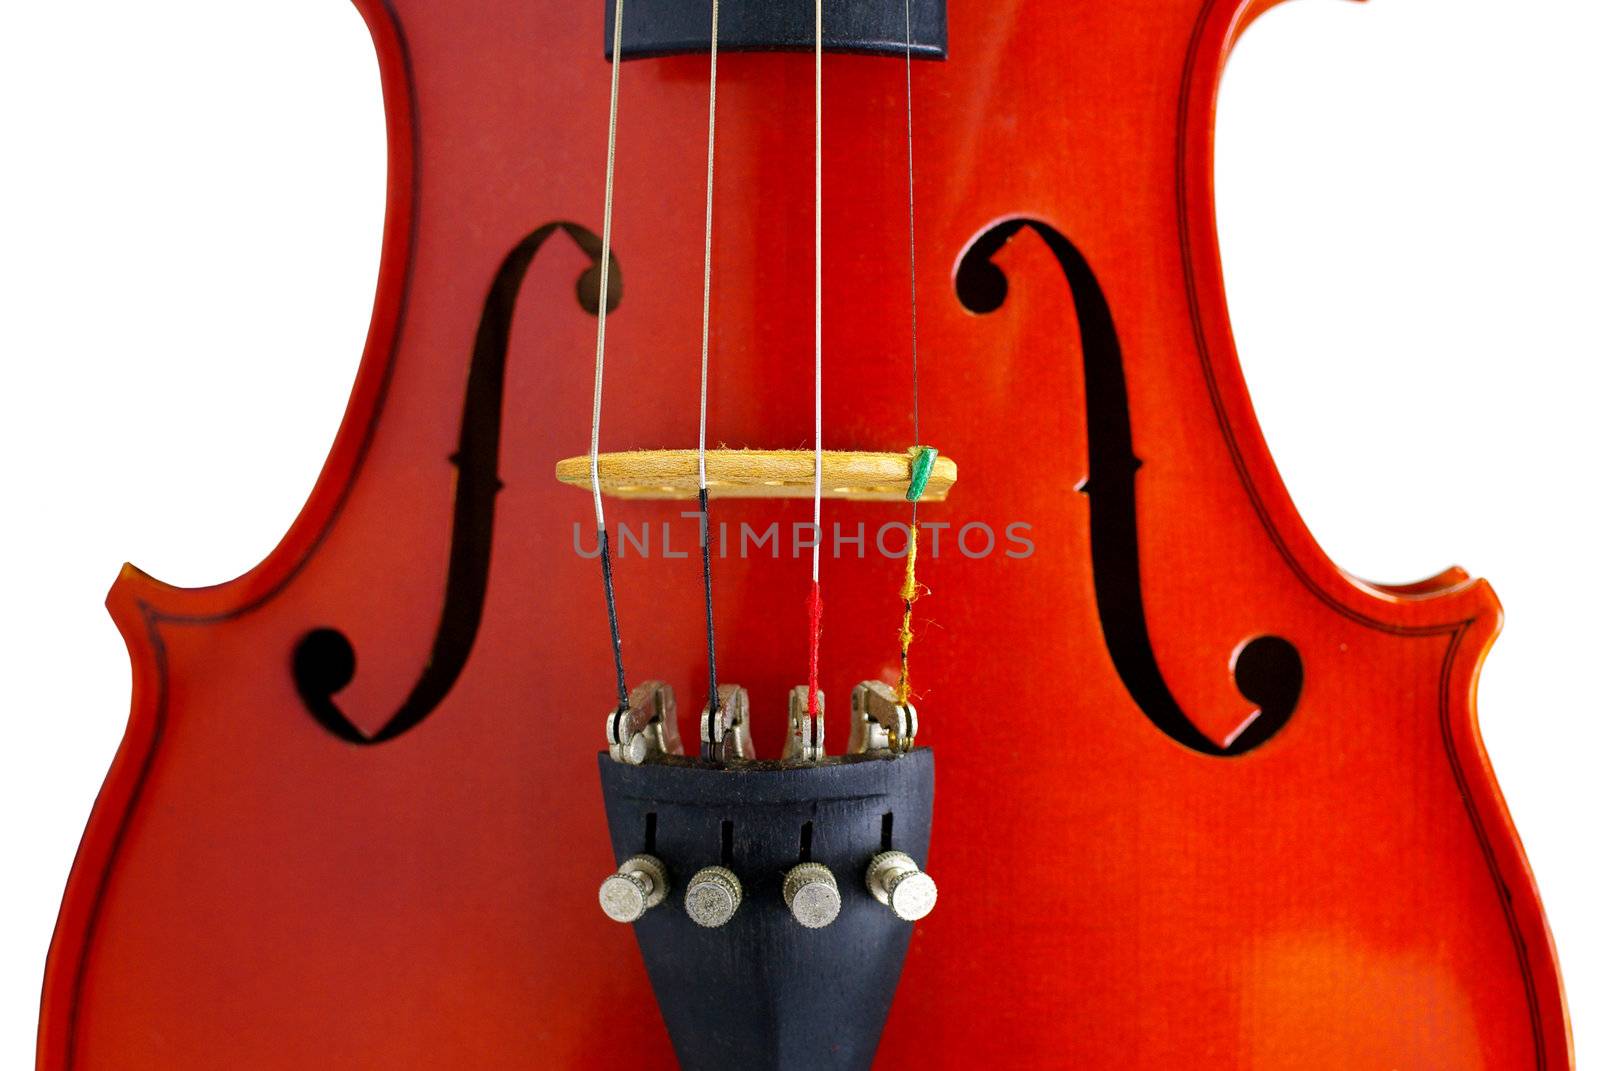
(1204, 799)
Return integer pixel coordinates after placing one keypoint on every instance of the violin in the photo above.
(734, 361)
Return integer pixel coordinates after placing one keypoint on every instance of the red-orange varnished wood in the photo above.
(253, 892)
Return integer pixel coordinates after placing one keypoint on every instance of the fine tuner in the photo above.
(645, 733)
(647, 729)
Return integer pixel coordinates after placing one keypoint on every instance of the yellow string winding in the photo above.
(909, 593)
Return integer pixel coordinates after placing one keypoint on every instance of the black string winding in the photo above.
(714, 728)
(611, 613)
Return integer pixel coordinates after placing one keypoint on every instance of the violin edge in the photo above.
(1440, 607)
(137, 600)
(1451, 602)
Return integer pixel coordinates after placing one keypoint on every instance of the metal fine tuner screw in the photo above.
(812, 895)
(639, 884)
(713, 895)
(895, 881)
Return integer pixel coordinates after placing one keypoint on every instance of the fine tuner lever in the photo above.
(732, 723)
(805, 740)
(879, 721)
(647, 728)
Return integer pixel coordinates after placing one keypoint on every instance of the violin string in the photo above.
(711, 173)
(911, 211)
(815, 602)
(908, 589)
(713, 729)
(600, 361)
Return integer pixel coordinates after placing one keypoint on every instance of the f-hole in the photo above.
(1267, 670)
(324, 661)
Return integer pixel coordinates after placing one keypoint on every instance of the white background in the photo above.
(190, 202)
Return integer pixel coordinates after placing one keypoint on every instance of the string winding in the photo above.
(908, 595)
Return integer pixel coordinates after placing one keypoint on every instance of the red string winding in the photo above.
(814, 604)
